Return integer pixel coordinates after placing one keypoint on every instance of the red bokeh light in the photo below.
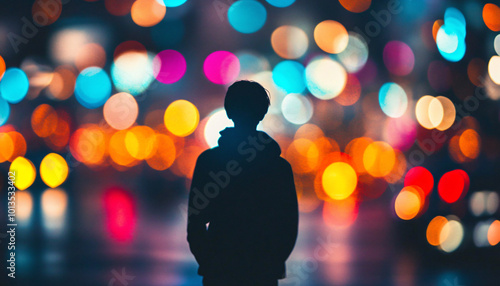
(453, 185)
(119, 207)
(421, 177)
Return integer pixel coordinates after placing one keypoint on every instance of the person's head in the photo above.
(246, 103)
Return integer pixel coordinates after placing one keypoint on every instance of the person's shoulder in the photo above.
(283, 163)
(208, 154)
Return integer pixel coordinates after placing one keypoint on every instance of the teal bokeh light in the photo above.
(247, 16)
(93, 87)
(4, 111)
(14, 85)
(289, 76)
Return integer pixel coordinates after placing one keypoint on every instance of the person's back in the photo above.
(245, 192)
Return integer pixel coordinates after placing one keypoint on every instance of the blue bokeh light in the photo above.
(393, 100)
(280, 3)
(14, 85)
(93, 87)
(172, 3)
(247, 16)
(450, 44)
(289, 76)
(4, 111)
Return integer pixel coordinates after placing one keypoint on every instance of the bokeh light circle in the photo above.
(339, 180)
(2, 67)
(121, 110)
(325, 78)
(289, 42)
(4, 111)
(355, 55)
(453, 185)
(356, 6)
(169, 66)
(181, 118)
(393, 100)
(24, 172)
(289, 76)
(379, 159)
(147, 13)
(53, 170)
(494, 69)
(398, 58)
(93, 87)
(14, 85)
(172, 3)
(297, 108)
(421, 177)
(434, 228)
(280, 3)
(132, 71)
(408, 203)
(331, 36)
(247, 16)
(221, 67)
(217, 121)
(490, 16)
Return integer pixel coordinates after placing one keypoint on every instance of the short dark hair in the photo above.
(246, 100)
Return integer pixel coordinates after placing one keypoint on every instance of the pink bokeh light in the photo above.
(221, 67)
(169, 66)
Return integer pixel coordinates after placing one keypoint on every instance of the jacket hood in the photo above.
(233, 139)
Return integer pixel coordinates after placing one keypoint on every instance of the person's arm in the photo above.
(286, 214)
(198, 213)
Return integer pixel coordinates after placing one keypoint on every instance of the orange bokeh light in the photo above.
(490, 16)
(44, 120)
(147, 13)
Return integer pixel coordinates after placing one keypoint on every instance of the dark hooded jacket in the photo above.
(242, 215)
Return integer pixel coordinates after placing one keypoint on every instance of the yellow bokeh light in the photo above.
(53, 170)
(140, 142)
(379, 159)
(331, 36)
(147, 13)
(181, 118)
(408, 203)
(289, 42)
(339, 180)
(24, 172)
(434, 230)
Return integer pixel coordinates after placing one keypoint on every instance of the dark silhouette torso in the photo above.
(245, 192)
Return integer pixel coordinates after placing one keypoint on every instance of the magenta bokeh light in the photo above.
(221, 67)
(169, 66)
(398, 58)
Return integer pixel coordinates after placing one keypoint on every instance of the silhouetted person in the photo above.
(243, 215)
